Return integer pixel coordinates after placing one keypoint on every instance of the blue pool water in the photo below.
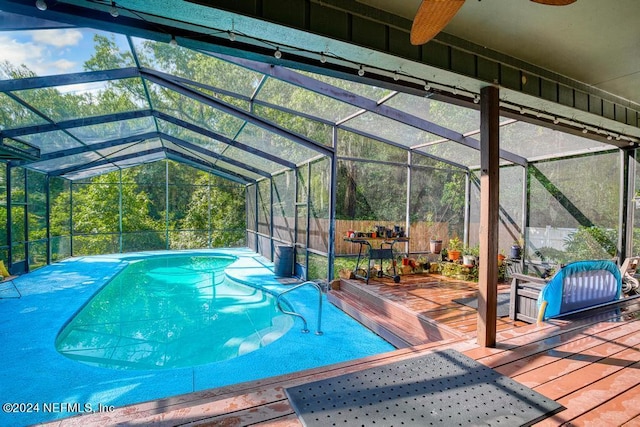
(172, 312)
(34, 371)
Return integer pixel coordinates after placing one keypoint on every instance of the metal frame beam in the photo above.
(193, 147)
(74, 123)
(218, 137)
(93, 147)
(15, 22)
(395, 144)
(112, 160)
(444, 52)
(29, 83)
(339, 123)
(206, 167)
(167, 82)
(367, 104)
(160, 135)
(146, 136)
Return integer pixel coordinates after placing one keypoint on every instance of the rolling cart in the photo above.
(380, 253)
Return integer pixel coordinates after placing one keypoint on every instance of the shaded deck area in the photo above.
(431, 297)
(588, 363)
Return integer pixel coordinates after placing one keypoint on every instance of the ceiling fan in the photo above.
(434, 15)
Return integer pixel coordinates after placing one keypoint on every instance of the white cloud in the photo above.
(63, 65)
(57, 38)
(36, 55)
(19, 53)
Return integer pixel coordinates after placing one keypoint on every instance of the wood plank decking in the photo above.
(590, 364)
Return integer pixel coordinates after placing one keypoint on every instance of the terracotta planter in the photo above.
(501, 259)
(454, 255)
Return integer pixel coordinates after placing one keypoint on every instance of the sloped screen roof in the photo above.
(83, 102)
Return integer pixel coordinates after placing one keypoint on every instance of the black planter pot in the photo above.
(516, 252)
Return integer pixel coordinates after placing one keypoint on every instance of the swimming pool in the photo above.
(34, 371)
(172, 312)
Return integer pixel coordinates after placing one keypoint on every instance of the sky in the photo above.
(50, 52)
(54, 51)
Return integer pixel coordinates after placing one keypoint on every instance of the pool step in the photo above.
(371, 319)
(264, 337)
(394, 322)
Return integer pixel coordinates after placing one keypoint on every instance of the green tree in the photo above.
(217, 208)
(96, 215)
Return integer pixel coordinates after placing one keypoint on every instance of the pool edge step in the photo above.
(371, 319)
(386, 317)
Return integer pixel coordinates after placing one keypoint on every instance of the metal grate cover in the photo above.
(444, 388)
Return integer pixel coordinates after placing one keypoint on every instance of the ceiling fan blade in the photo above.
(431, 18)
(554, 2)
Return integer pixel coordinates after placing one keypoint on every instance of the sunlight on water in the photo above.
(172, 312)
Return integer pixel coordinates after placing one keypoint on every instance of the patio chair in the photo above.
(7, 278)
(576, 286)
(629, 270)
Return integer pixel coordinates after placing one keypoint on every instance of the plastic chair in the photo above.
(576, 286)
(580, 285)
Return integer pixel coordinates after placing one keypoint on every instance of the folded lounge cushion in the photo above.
(580, 285)
(3, 270)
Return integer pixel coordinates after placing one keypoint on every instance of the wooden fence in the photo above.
(420, 233)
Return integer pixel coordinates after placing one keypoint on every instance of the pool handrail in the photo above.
(293, 313)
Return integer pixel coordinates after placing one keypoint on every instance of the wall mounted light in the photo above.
(427, 86)
(173, 41)
(476, 99)
(277, 53)
(323, 58)
(361, 71)
(232, 36)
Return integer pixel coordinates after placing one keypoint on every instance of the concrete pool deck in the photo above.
(38, 384)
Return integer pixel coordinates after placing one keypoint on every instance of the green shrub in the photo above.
(591, 243)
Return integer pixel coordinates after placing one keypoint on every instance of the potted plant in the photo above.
(454, 248)
(470, 255)
(516, 250)
(501, 257)
(435, 245)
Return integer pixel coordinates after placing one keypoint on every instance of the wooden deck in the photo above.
(432, 297)
(589, 364)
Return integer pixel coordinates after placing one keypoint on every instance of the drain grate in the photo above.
(444, 388)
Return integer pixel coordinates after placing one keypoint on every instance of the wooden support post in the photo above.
(489, 187)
